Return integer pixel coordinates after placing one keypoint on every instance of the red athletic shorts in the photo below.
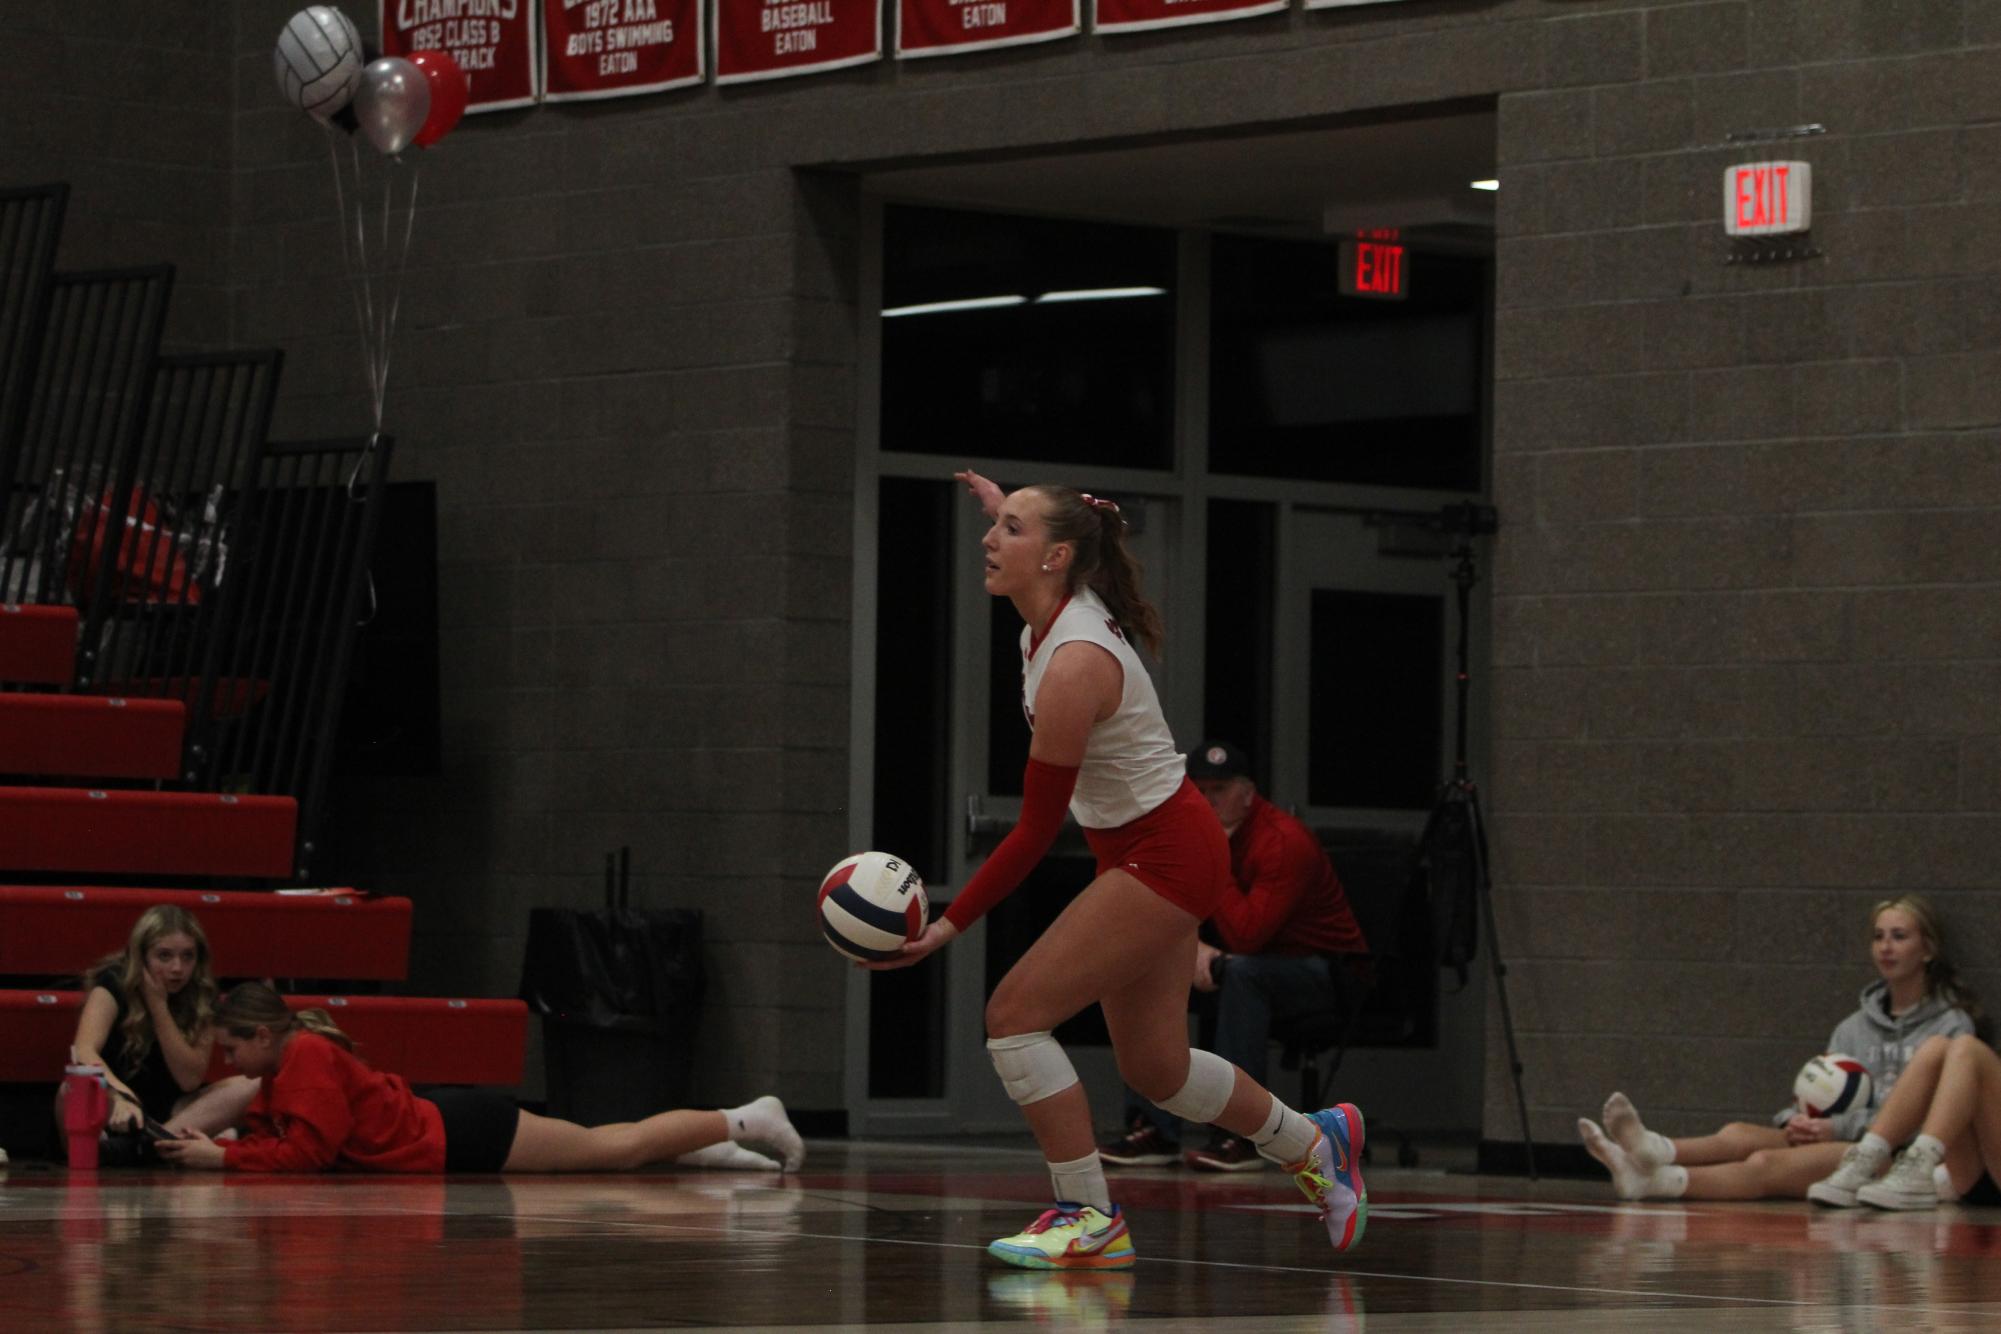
(1177, 850)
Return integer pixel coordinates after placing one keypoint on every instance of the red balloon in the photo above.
(449, 87)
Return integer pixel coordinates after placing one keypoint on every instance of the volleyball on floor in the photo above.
(318, 60)
(1829, 1085)
(870, 904)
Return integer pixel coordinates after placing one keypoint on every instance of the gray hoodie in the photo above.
(1886, 1046)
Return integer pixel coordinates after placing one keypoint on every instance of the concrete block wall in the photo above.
(131, 108)
(1744, 664)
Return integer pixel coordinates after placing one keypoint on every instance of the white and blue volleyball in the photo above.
(1829, 1085)
(870, 904)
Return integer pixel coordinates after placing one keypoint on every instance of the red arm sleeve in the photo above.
(1246, 921)
(1045, 795)
(306, 1119)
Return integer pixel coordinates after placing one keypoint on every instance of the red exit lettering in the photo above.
(1378, 268)
(1762, 198)
(1761, 195)
(1372, 268)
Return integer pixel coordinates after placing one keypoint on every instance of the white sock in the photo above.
(1082, 1181)
(1629, 1179)
(763, 1123)
(1666, 1183)
(1645, 1147)
(1933, 1147)
(1286, 1137)
(1874, 1147)
(729, 1157)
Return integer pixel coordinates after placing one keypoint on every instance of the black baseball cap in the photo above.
(1218, 759)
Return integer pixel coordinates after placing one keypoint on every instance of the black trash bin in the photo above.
(619, 991)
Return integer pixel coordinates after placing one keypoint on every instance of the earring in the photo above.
(1045, 569)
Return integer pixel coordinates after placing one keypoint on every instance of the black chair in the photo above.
(1388, 999)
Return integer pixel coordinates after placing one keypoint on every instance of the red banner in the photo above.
(616, 48)
(493, 41)
(1140, 15)
(774, 39)
(946, 27)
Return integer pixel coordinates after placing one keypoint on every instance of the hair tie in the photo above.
(1096, 503)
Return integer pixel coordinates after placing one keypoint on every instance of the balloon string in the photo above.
(394, 295)
(366, 280)
(356, 272)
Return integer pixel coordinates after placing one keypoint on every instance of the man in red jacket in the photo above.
(1280, 941)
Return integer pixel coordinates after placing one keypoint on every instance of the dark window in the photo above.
(913, 671)
(1242, 579)
(1377, 681)
(906, 1030)
(1048, 375)
(1007, 725)
(1307, 383)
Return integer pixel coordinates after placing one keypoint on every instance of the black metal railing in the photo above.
(31, 220)
(266, 707)
(81, 417)
(149, 552)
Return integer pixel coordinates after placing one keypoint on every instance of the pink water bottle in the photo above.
(86, 1107)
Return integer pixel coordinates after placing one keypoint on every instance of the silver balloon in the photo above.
(392, 103)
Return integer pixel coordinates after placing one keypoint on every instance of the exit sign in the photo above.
(1372, 265)
(1767, 198)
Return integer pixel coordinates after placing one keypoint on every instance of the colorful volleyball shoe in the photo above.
(1331, 1174)
(1070, 1236)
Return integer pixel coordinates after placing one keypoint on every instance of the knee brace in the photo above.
(1032, 1066)
(1211, 1080)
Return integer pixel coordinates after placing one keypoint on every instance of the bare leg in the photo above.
(1734, 1143)
(1903, 1112)
(1965, 1112)
(1118, 941)
(216, 1108)
(1781, 1173)
(545, 1144)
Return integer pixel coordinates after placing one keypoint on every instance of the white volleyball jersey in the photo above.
(1130, 763)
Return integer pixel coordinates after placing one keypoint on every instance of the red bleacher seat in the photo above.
(326, 934)
(146, 833)
(91, 736)
(426, 1040)
(37, 644)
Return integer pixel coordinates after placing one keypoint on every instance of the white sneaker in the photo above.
(1907, 1185)
(1859, 1167)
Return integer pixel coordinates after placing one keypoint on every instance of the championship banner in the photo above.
(619, 48)
(1142, 15)
(493, 41)
(947, 27)
(1343, 4)
(775, 39)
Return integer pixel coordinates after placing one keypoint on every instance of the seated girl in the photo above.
(320, 1107)
(1917, 996)
(148, 1019)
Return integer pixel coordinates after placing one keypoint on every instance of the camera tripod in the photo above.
(1453, 850)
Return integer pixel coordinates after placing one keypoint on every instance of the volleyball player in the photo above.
(1101, 747)
(320, 1106)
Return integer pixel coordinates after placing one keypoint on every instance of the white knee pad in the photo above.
(1032, 1066)
(1211, 1080)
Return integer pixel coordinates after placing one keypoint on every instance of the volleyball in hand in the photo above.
(318, 60)
(1829, 1085)
(870, 904)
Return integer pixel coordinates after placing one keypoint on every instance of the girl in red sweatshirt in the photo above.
(320, 1107)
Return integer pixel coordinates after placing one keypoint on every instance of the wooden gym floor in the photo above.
(891, 1236)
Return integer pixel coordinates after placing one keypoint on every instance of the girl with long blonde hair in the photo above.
(148, 1018)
